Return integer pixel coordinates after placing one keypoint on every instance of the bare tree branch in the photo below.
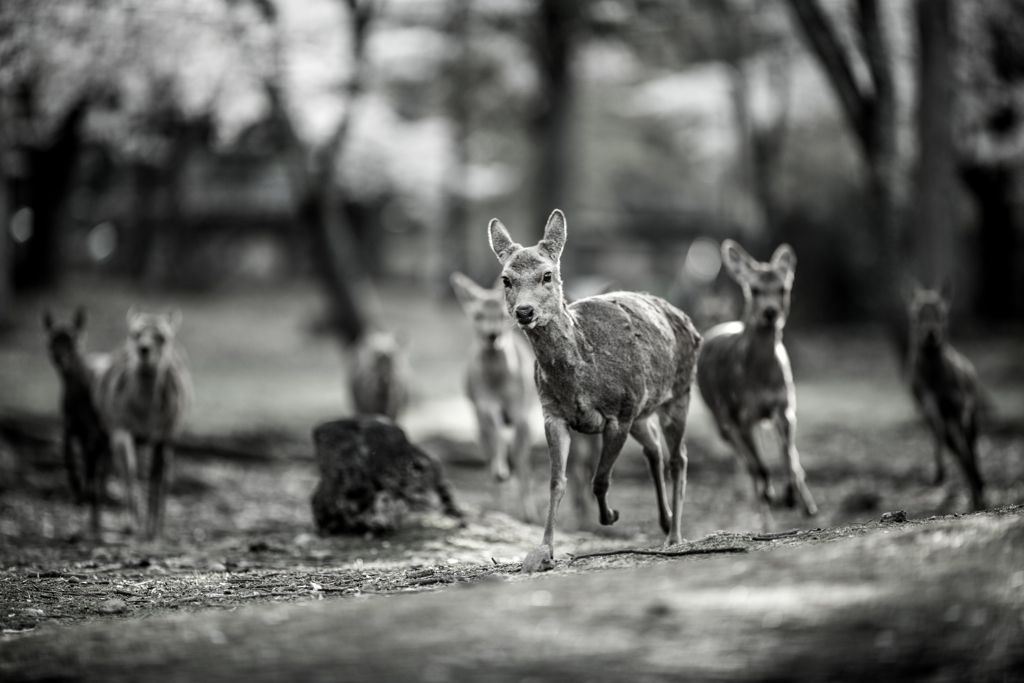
(825, 43)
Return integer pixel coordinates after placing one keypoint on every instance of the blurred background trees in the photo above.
(366, 143)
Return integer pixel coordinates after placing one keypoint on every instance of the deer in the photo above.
(944, 383)
(145, 395)
(745, 376)
(498, 383)
(379, 376)
(615, 364)
(86, 444)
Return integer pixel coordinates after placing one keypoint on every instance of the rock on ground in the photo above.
(371, 476)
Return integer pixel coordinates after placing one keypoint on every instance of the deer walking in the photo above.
(610, 364)
(380, 376)
(144, 396)
(86, 443)
(497, 382)
(745, 376)
(944, 384)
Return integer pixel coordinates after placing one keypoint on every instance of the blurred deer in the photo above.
(144, 397)
(379, 375)
(606, 364)
(498, 378)
(86, 442)
(745, 376)
(944, 383)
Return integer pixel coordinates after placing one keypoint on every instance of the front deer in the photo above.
(605, 365)
(745, 376)
(944, 384)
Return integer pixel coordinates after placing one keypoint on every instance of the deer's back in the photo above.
(637, 353)
(150, 406)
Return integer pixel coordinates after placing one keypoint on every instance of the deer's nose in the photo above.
(524, 314)
(492, 337)
(771, 314)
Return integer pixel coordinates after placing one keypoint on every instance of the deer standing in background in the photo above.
(380, 376)
(86, 442)
(610, 364)
(144, 396)
(497, 382)
(944, 384)
(745, 376)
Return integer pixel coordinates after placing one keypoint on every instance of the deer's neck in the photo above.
(558, 344)
(760, 341)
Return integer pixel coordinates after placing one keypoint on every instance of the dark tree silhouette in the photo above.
(870, 112)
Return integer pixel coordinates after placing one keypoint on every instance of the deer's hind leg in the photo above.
(674, 425)
(646, 432)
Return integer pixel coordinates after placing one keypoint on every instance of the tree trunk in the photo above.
(51, 172)
(991, 187)
(6, 253)
(934, 230)
(555, 46)
(456, 240)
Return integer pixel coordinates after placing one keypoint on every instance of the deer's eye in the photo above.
(505, 281)
(547, 277)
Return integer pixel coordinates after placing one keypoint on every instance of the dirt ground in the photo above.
(240, 535)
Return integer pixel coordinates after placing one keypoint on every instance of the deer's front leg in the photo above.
(938, 427)
(71, 463)
(613, 438)
(557, 433)
(124, 455)
(488, 419)
(785, 423)
(520, 456)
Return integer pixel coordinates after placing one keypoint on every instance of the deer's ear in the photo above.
(81, 317)
(501, 242)
(784, 261)
(909, 289)
(466, 291)
(737, 261)
(47, 320)
(554, 235)
(946, 290)
(174, 318)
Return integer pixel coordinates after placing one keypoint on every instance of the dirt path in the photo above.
(939, 599)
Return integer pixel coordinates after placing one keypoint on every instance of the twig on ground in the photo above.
(659, 553)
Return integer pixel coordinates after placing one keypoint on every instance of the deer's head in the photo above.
(766, 286)
(530, 275)
(151, 337)
(928, 311)
(485, 309)
(65, 341)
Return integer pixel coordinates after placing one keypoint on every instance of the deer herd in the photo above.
(603, 368)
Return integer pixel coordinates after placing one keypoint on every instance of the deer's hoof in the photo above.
(539, 559)
(610, 518)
